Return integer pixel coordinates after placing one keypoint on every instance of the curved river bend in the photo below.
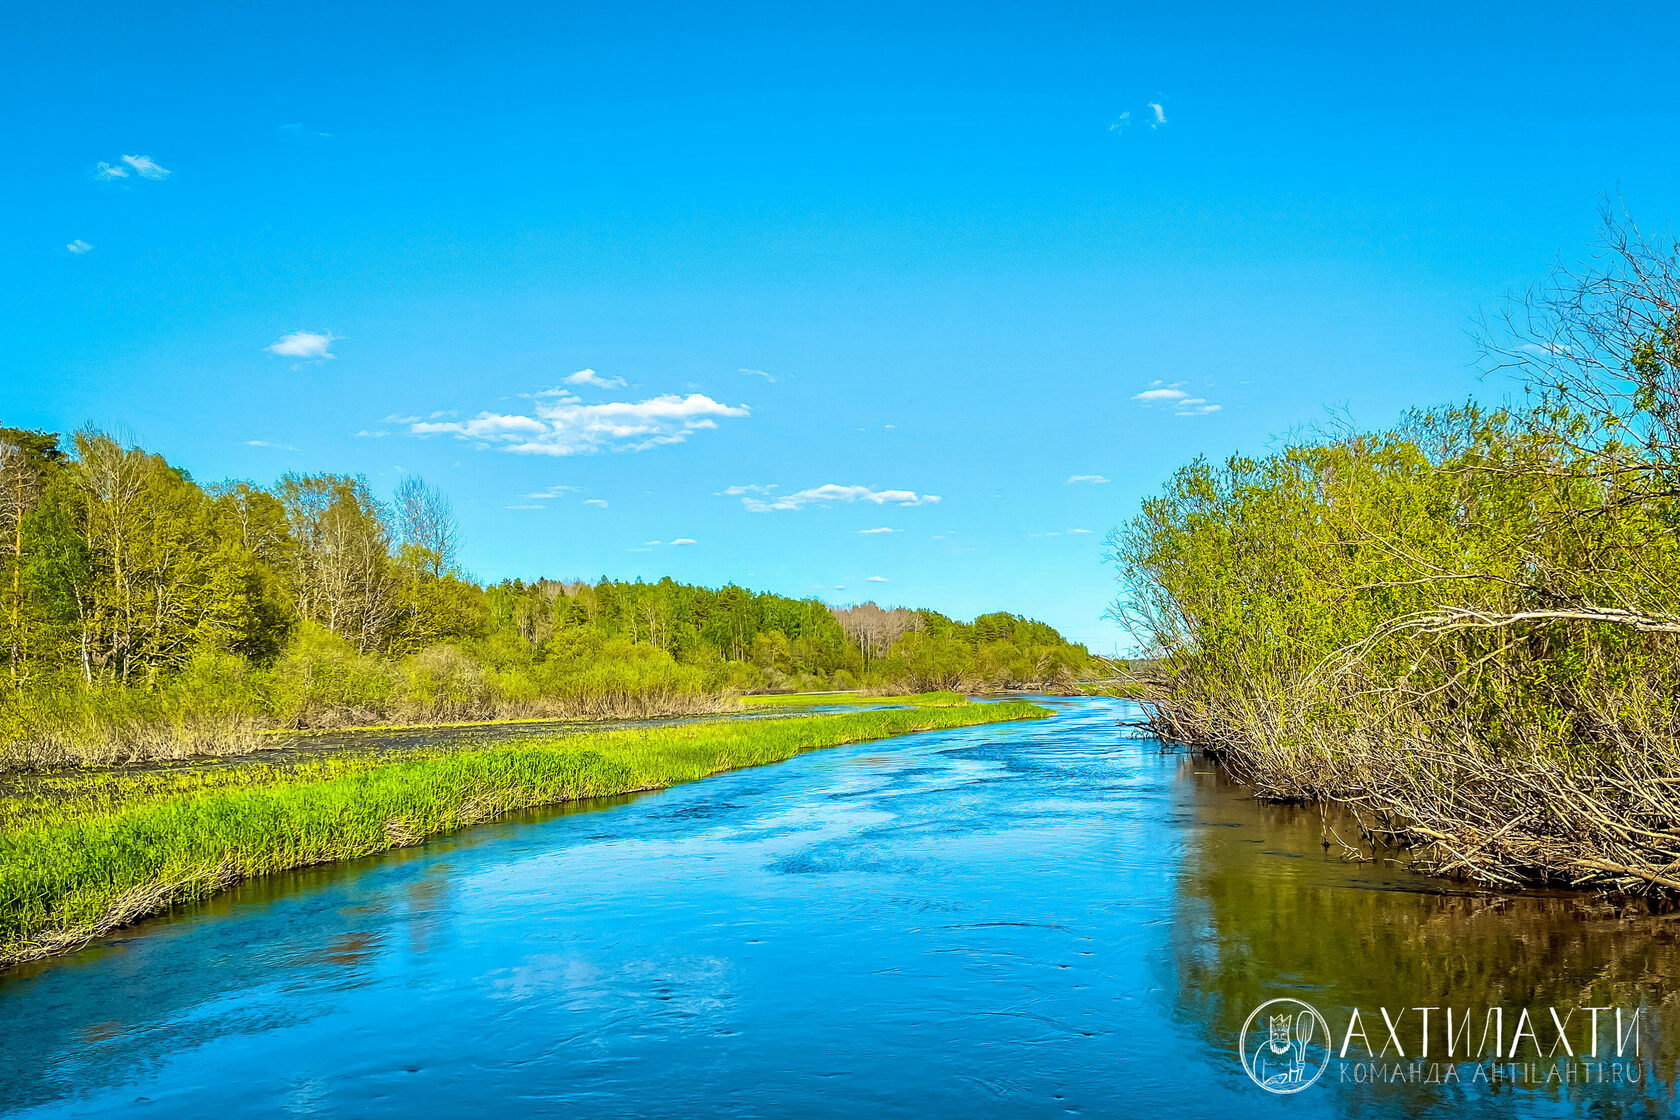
(1022, 920)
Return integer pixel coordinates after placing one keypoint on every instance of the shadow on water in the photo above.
(1044, 919)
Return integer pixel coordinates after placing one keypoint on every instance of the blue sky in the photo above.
(956, 244)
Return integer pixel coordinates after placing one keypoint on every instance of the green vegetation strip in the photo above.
(86, 856)
(825, 699)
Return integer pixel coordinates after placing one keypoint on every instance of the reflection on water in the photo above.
(1260, 917)
(1028, 920)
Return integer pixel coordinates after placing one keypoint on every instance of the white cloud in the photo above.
(1160, 113)
(270, 444)
(79, 247)
(883, 529)
(1094, 479)
(143, 166)
(1079, 532)
(1181, 402)
(367, 433)
(146, 168)
(832, 493)
(1121, 123)
(757, 373)
(549, 492)
(680, 541)
(737, 491)
(306, 346)
(598, 503)
(590, 377)
(565, 426)
(877, 579)
(1194, 406)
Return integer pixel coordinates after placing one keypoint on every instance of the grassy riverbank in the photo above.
(797, 700)
(84, 854)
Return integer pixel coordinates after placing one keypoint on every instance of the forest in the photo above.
(1467, 626)
(148, 615)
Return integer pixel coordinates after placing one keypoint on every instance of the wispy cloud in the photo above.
(757, 373)
(146, 168)
(591, 378)
(598, 503)
(1063, 533)
(680, 542)
(1094, 479)
(269, 444)
(307, 346)
(1154, 114)
(883, 529)
(143, 166)
(79, 247)
(549, 492)
(1175, 397)
(299, 132)
(1194, 406)
(371, 433)
(877, 579)
(564, 425)
(832, 494)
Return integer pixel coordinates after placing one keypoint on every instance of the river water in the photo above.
(1046, 919)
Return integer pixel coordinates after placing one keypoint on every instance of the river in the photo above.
(1046, 919)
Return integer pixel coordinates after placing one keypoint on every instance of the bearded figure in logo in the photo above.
(1282, 1061)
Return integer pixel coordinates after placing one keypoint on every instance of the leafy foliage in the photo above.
(145, 614)
(1467, 625)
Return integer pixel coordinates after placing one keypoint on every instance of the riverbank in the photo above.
(1505, 812)
(60, 738)
(120, 727)
(83, 855)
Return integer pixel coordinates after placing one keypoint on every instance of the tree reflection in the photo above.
(1265, 910)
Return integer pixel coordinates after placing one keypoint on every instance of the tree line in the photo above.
(130, 588)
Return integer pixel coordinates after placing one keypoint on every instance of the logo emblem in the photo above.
(1285, 1045)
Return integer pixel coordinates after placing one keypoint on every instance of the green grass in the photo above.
(81, 855)
(823, 699)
